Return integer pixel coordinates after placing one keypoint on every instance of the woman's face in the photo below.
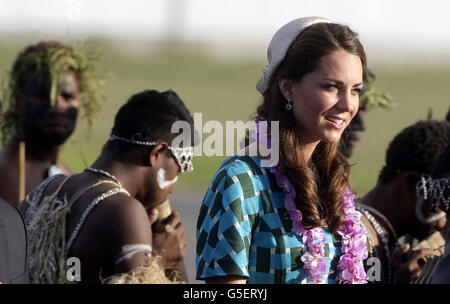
(325, 100)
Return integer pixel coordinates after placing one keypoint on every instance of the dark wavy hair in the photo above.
(319, 185)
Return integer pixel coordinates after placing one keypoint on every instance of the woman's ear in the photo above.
(285, 85)
(157, 153)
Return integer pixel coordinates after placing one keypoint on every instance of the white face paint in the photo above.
(161, 179)
(421, 216)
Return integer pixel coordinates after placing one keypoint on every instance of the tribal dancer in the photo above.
(103, 216)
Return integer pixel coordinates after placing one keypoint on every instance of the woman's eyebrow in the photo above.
(339, 82)
(334, 80)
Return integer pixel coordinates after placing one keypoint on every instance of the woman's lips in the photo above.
(335, 122)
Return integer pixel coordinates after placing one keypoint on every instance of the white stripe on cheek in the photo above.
(161, 179)
(421, 216)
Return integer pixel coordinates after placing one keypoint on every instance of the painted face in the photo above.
(325, 100)
(430, 221)
(165, 179)
(47, 125)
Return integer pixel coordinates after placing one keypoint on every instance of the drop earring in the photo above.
(288, 106)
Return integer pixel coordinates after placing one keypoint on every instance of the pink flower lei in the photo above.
(353, 237)
(353, 245)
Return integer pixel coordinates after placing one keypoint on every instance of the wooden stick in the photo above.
(165, 210)
(22, 172)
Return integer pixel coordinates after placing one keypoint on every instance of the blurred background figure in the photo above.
(47, 86)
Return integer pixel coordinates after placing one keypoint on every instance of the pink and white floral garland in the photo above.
(353, 244)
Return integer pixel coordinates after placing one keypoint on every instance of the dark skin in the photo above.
(121, 219)
(396, 201)
(410, 262)
(50, 122)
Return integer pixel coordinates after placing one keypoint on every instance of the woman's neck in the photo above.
(307, 149)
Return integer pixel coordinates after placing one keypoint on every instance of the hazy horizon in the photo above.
(390, 30)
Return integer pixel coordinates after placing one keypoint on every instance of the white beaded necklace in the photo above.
(99, 198)
(86, 212)
(100, 171)
(381, 216)
(382, 237)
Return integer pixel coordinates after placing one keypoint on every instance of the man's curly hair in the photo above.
(416, 148)
(442, 164)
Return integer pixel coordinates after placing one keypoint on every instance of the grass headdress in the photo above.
(52, 60)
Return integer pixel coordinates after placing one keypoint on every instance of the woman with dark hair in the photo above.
(292, 221)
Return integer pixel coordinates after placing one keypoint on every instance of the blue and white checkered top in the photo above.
(243, 229)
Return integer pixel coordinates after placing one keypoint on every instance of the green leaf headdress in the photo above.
(52, 60)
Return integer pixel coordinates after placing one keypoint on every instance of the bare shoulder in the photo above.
(126, 216)
(123, 205)
(124, 222)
